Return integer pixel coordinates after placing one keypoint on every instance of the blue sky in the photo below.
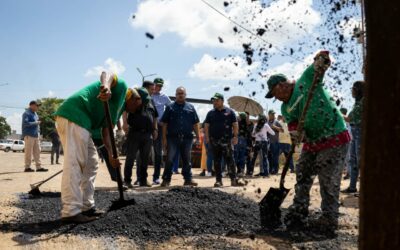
(52, 48)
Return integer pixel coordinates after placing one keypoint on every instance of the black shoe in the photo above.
(52, 163)
(93, 212)
(190, 183)
(78, 219)
(128, 185)
(145, 184)
(237, 183)
(218, 184)
(29, 170)
(165, 183)
(203, 173)
(291, 171)
(347, 176)
(58, 163)
(349, 191)
(42, 170)
(136, 183)
(257, 175)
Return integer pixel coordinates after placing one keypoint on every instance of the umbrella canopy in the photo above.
(244, 104)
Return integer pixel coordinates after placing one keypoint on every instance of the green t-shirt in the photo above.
(86, 110)
(356, 113)
(323, 119)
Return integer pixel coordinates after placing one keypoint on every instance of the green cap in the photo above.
(274, 80)
(217, 96)
(261, 116)
(144, 94)
(159, 81)
(271, 111)
(242, 115)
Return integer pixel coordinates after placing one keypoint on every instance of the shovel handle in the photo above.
(113, 148)
(300, 126)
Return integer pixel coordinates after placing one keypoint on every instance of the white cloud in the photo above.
(15, 121)
(110, 65)
(200, 26)
(229, 68)
(50, 93)
(202, 110)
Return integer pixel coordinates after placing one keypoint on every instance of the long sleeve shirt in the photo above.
(30, 124)
(262, 134)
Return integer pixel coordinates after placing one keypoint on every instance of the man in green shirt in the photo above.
(325, 143)
(78, 118)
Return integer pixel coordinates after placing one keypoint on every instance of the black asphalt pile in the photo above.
(156, 217)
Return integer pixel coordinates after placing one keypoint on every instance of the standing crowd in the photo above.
(232, 142)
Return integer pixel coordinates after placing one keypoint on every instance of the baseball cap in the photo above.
(159, 81)
(274, 80)
(144, 94)
(271, 111)
(34, 103)
(217, 96)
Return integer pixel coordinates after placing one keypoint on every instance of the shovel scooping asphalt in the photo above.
(270, 213)
(35, 186)
(121, 202)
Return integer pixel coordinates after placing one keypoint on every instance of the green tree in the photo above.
(46, 114)
(5, 129)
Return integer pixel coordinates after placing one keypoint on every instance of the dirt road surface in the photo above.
(16, 210)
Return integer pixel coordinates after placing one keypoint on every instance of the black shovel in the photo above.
(270, 213)
(121, 202)
(35, 186)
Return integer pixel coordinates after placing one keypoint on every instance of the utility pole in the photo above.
(380, 152)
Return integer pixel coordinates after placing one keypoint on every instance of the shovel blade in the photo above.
(270, 212)
(35, 192)
(121, 203)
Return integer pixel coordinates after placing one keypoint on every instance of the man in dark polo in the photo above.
(179, 121)
(221, 132)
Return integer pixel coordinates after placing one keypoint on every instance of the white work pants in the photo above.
(79, 169)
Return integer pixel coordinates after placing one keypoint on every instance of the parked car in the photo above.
(45, 146)
(15, 145)
(4, 143)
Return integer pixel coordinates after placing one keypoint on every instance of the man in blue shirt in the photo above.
(179, 121)
(30, 133)
(221, 132)
(160, 101)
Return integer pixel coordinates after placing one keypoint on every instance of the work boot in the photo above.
(78, 219)
(190, 183)
(128, 185)
(145, 184)
(165, 183)
(93, 212)
(218, 184)
(29, 170)
(237, 183)
(295, 220)
(349, 190)
(42, 170)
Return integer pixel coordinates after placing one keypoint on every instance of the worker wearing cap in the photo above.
(76, 119)
(160, 101)
(221, 132)
(325, 143)
(142, 127)
(30, 133)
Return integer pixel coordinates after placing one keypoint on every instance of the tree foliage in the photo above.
(46, 114)
(5, 128)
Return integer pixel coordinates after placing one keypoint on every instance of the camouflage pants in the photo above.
(328, 166)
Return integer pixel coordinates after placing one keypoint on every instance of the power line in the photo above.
(249, 31)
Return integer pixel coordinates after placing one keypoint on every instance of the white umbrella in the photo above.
(244, 104)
